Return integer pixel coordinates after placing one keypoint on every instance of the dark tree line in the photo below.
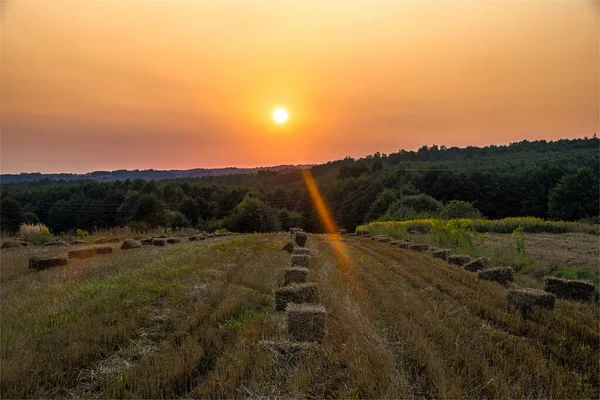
(552, 180)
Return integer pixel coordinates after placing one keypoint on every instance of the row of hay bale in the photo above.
(517, 298)
(9, 244)
(298, 238)
(144, 240)
(523, 299)
(163, 240)
(480, 265)
(298, 298)
(407, 244)
(40, 263)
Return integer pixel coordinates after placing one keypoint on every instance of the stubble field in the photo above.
(198, 320)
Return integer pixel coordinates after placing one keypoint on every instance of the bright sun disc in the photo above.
(280, 115)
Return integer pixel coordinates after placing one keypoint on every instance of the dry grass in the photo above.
(568, 255)
(198, 320)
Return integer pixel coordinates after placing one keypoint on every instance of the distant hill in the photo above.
(147, 174)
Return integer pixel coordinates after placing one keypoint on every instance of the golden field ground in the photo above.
(190, 320)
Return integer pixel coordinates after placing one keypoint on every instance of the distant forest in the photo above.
(546, 179)
(148, 174)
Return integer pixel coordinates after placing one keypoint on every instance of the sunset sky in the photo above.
(89, 85)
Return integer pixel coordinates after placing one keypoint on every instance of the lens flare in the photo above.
(348, 269)
(325, 216)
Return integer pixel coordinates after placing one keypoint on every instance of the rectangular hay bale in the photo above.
(421, 247)
(301, 250)
(102, 249)
(302, 260)
(570, 288)
(477, 264)
(299, 293)
(295, 275)
(526, 299)
(82, 253)
(458, 259)
(40, 263)
(500, 275)
(306, 322)
(442, 254)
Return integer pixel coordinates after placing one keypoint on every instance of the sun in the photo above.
(280, 115)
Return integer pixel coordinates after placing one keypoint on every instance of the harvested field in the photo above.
(11, 244)
(198, 319)
(567, 255)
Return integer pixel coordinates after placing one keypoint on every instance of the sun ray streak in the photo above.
(325, 216)
(348, 269)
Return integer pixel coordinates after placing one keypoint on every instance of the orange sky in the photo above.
(90, 85)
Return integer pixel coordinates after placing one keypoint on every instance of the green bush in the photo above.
(418, 206)
(289, 219)
(210, 225)
(253, 215)
(382, 204)
(175, 219)
(575, 196)
(519, 241)
(457, 209)
(455, 233)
